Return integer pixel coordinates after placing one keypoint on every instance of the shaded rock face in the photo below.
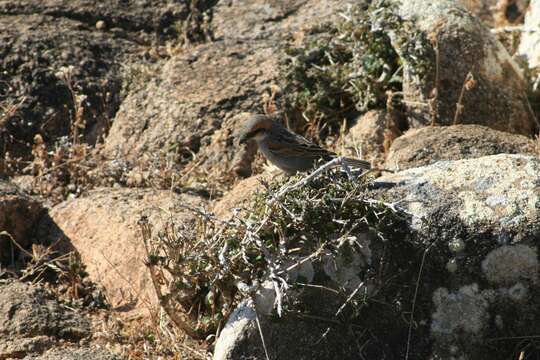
(102, 228)
(291, 338)
(37, 48)
(497, 95)
(39, 38)
(19, 214)
(425, 146)
(32, 321)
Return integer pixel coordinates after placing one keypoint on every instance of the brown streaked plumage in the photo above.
(290, 152)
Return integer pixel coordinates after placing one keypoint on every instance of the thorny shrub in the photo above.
(198, 267)
(344, 69)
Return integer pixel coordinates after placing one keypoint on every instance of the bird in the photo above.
(290, 152)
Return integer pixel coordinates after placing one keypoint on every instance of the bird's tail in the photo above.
(357, 163)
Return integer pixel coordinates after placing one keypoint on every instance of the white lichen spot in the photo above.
(510, 264)
(452, 266)
(456, 245)
(344, 269)
(518, 293)
(265, 298)
(463, 311)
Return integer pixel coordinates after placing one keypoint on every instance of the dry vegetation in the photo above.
(198, 270)
(342, 70)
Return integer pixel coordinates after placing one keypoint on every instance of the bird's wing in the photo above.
(293, 145)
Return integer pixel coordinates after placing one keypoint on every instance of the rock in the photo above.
(19, 214)
(497, 193)
(75, 354)
(240, 195)
(495, 96)
(193, 105)
(263, 19)
(370, 137)
(473, 240)
(529, 47)
(32, 320)
(62, 48)
(285, 338)
(102, 227)
(425, 146)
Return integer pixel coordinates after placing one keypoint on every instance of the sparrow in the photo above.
(290, 152)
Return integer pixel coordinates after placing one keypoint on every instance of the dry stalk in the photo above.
(468, 85)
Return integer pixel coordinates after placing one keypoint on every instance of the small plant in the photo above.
(198, 267)
(343, 70)
(8, 164)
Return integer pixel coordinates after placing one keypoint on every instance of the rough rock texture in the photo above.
(190, 100)
(194, 105)
(294, 338)
(487, 210)
(75, 354)
(271, 19)
(102, 227)
(477, 222)
(419, 147)
(498, 193)
(497, 97)
(31, 320)
(368, 138)
(38, 38)
(239, 195)
(19, 214)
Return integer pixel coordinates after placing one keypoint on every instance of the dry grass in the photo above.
(145, 338)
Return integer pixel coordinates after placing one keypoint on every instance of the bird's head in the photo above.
(255, 127)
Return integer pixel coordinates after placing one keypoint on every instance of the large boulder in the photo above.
(103, 228)
(441, 91)
(19, 214)
(496, 194)
(464, 272)
(425, 146)
(32, 321)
